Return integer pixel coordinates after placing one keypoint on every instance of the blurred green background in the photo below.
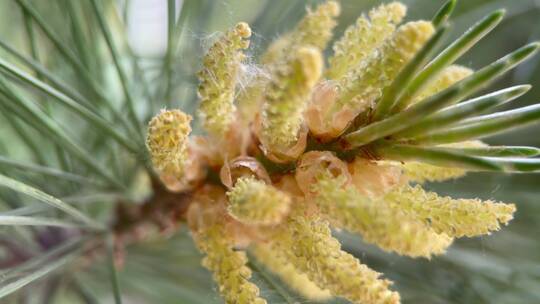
(501, 268)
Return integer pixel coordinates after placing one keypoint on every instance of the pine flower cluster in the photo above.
(314, 146)
(167, 142)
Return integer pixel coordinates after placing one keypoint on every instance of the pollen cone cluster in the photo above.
(167, 142)
(306, 148)
(219, 78)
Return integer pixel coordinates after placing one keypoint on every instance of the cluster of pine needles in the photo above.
(301, 149)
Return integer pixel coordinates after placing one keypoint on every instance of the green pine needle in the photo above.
(46, 171)
(41, 122)
(456, 113)
(483, 126)
(451, 95)
(39, 267)
(449, 55)
(49, 200)
(444, 13)
(14, 220)
(438, 157)
(404, 78)
(130, 101)
(88, 115)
